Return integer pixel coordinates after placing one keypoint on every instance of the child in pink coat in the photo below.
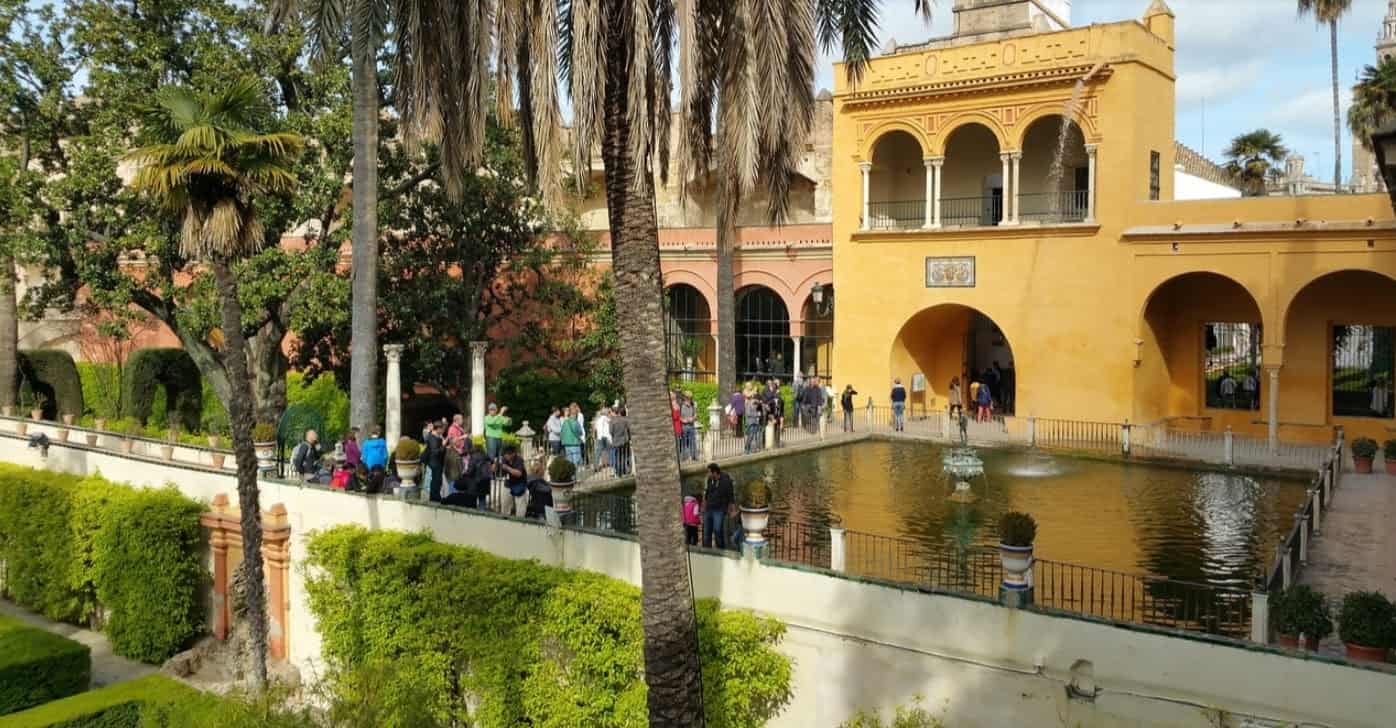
(692, 513)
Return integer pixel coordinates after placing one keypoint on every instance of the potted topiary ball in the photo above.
(407, 457)
(1301, 612)
(264, 443)
(562, 478)
(756, 509)
(1363, 450)
(1388, 454)
(1017, 532)
(1367, 625)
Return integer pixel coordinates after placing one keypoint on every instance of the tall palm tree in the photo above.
(1253, 158)
(1373, 101)
(615, 60)
(205, 161)
(1328, 12)
(361, 25)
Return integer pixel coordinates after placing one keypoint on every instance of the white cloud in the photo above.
(1218, 82)
(1309, 112)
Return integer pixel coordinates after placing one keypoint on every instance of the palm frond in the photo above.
(543, 77)
(636, 31)
(587, 83)
(661, 80)
(852, 23)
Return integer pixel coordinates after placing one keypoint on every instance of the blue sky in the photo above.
(1255, 62)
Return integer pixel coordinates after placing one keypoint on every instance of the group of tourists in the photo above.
(567, 435)
(989, 391)
(713, 513)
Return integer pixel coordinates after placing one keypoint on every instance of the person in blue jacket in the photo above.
(375, 450)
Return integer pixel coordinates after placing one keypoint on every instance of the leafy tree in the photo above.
(1328, 12)
(1253, 158)
(206, 162)
(1373, 101)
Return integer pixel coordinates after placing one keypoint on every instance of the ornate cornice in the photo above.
(1063, 76)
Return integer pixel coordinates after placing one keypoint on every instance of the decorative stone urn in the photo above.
(218, 459)
(754, 522)
(1017, 562)
(62, 434)
(8, 410)
(127, 444)
(266, 455)
(408, 470)
(562, 496)
(100, 423)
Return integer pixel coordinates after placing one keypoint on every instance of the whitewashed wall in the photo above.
(1190, 187)
(857, 644)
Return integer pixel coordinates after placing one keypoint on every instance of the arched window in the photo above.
(764, 348)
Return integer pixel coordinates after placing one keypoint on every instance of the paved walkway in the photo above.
(107, 668)
(1357, 547)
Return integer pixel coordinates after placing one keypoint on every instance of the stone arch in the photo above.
(882, 129)
(690, 333)
(1156, 285)
(1292, 294)
(767, 279)
(684, 276)
(964, 119)
(954, 340)
(765, 328)
(1042, 111)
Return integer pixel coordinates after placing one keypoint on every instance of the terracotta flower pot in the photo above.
(62, 434)
(22, 427)
(100, 423)
(214, 441)
(1361, 465)
(1292, 642)
(1363, 652)
(218, 459)
(8, 410)
(1391, 467)
(92, 439)
(36, 414)
(167, 453)
(127, 444)
(68, 419)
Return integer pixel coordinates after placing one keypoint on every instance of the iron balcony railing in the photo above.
(896, 215)
(1054, 207)
(971, 211)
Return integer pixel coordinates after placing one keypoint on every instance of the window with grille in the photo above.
(1231, 365)
(764, 348)
(1362, 358)
(1155, 182)
(688, 334)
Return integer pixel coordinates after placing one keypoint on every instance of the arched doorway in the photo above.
(953, 341)
(1200, 353)
(816, 356)
(764, 348)
(1055, 188)
(897, 183)
(1340, 353)
(972, 181)
(688, 339)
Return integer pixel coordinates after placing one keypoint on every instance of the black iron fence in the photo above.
(896, 215)
(971, 211)
(1054, 207)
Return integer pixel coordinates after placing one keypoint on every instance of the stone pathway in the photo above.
(107, 668)
(1356, 549)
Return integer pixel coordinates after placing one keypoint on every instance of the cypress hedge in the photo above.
(37, 666)
(52, 374)
(501, 642)
(174, 371)
(75, 548)
(123, 705)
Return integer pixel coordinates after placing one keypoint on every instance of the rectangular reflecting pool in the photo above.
(1206, 527)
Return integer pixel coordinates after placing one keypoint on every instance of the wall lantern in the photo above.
(1384, 144)
(823, 306)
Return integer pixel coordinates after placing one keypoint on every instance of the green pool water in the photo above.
(1202, 526)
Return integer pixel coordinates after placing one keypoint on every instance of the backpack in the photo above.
(298, 458)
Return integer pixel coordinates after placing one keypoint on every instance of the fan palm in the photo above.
(615, 61)
(361, 25)
(205, 163)
(1253, 157)
(1373, 101)
(1327, 12)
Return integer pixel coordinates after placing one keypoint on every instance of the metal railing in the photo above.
(1292, 553)
(798, 543)
(896, 215)
(1054, 207)
(1078, 434)
(971, 211)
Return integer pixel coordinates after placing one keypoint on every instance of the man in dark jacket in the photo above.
(620, 440)
(717, 495)
(305, 459)
(435, 456)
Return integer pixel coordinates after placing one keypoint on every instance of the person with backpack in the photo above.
(540, 493)
(305, 459)
(985, 402)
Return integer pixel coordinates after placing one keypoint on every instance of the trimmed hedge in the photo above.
(519, 643)
(101, 389)
(73, 545)
(52, 374)
(37, 666)
(705, 392)
(117, 706)
(172, 370)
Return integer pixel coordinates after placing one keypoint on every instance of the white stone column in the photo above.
(392, 395)
(838, 549)
(1017, 171)
(937, 165)
(929, 211)
(477, 387)
(1090, 182)
(1274, 417)
(866, 169)
(796, 367)
(1006, 176)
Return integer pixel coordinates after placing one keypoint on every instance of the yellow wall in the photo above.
(1071, 299)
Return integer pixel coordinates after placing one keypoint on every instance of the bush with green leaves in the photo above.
(50, 379)
(906, 716)
(529, 644)
(561, 470)
(174, 373)
(323, 395)
(75, 548)
(1368, 619)
(131, 704)
(1017, 529)
(1364, 447)
(1301, 609)
(37, 666)
(101, 389)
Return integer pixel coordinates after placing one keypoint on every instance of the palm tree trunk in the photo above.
(1337, 129)
(726, 302)
(363, 344)
(671, 634)
(240, 415)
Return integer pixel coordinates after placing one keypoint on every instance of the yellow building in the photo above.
(971, 225)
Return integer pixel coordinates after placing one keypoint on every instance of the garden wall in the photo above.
(857, 643)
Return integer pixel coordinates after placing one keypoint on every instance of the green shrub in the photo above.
(561, 470)
(536, 645)
(123, 705)
(1388, 450)
(505, 441)
(1364, 447)
(51, 375)
(407, 450)
(1367, 618)
(264, 432)
(704, 393)
(1301, 610)
(1017, 529)
(171, 370)
(907, 716)
(36, 666)
(324, 395)
(531, 395)
(756, 494)
(71, 545)
(101, 389)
